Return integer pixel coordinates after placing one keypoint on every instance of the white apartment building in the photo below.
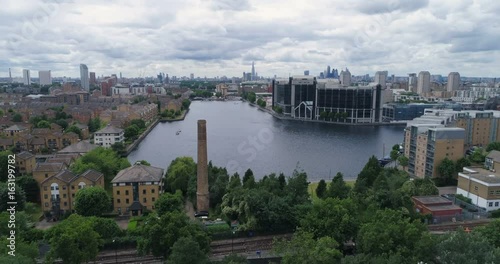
(108, 136)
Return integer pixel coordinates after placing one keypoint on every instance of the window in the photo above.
(73, 195)
(490, 204)
(64, 187)
(126, 192)
(492, 192)
(117, 200)
(118, 192)
(72, 187)
(475, 188)
(64, 195)
(46, 175)
(496, 204)
(44, 188)
(144, 191)
(144, 200)
(46, 204)
(153, 199)
(127, 201)
(153, 190)
(65, 203)
(45, 196)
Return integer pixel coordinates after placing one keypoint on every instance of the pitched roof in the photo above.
(6, 141)
(15, 128)
(40, 131)
(46, 166)
(25, 155)
(110, 129)
(83, 146)
(37, 141)
(135, 206)
(65, 176)
(494, 155)
(139, 173)
(92, 175)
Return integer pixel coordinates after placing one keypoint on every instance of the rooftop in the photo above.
(431, 200)
(139, 173)
(110, 129)
(494, 155)
(49, 167)
(83, 146)
(481, 175)
(25, 155)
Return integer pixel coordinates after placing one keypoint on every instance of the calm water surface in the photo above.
(241, 136)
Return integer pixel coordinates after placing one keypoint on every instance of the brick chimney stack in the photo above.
(202, 194)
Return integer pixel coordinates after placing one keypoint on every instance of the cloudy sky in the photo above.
(223, 37)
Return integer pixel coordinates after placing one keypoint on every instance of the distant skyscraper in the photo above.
(345, 77)
(45, 77)
(84, 77)
(26, 77)
(92, 78)
(381, 78)
(253, 71)
(191, 76)
(10, 76)
(424, 82)
(412, 82)
(120, 75)
(244, 76)
(328, 74)
(453, 81)
(306, 72)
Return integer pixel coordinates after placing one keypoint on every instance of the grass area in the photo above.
(313, 185)
(34, 211)
(132, 225)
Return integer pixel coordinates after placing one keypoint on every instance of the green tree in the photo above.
(389, 232)
(251, 97)
(394, 156)
(73, 240)
(62, 123)
(17, 118)
(92, 201)
(323, 115)
(168, 202)
(75, 130)
(332, 217)
(333, 115)
(233, 258)
(249, 179)
(103, 160)
(119, 148)
(144, 162)
(161, 233)
(338, 188)
(461, 163)
(321, 189)
(4, 162)
(395, 147)
(478, 156)
(179, 173)
(94, 124)
(403, 161)
(131, 132)
(30, 187)
(460, 247)
(493, 146)
(447, 171)
(19, 196)
(139, 123)
(304, 248)
(187, 251)
(43, 124)
(367, 175)
(234, 182)
(491, 232)
(186, 103)
(297, 188)
(26, 252)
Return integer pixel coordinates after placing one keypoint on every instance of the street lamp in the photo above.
(232, 238)
(116, 255)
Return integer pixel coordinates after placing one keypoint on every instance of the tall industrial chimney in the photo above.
(202, 194)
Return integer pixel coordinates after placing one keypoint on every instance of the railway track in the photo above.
(455, 226)
(244, 245)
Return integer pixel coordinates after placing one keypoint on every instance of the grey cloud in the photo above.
(383, 6)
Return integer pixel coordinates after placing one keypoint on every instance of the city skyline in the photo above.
(215, 38)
